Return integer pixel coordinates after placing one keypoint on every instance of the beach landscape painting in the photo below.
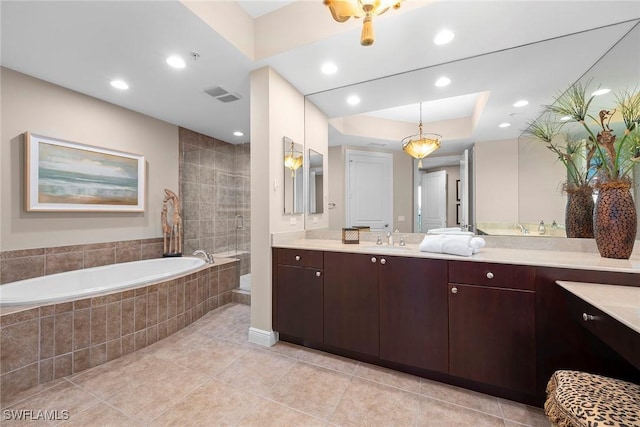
(67, 176)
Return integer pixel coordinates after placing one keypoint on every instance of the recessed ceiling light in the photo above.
(601, 92)
(521, 103)
(238, 133)
(119, 84)
(444, 37)
(176, 62)
(565, 118)
(504, 125)
(329, 68)
(443, 81)
(353, 100)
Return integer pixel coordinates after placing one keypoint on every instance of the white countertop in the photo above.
(620, 302)
(542, 258)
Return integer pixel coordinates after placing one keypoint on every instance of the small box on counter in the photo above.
(350, 235)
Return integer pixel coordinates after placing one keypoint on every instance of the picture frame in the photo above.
(458, 190)
(68, 176)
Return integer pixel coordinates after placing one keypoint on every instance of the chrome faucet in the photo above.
(390, 238)
(523, 229)
(207, 256)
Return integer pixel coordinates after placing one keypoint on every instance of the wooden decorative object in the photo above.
(172, 233)
(579, 212)
(615, 220)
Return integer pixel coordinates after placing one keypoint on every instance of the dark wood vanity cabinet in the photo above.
(298, 311)
(413, 313)
(351, 300)
(492, 324)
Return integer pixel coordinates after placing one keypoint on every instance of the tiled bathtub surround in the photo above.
(28, 263)
(215, 188)
(48, 342)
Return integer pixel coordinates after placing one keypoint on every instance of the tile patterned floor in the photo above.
(208, 374)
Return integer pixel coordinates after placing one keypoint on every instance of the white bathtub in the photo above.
(79, 284)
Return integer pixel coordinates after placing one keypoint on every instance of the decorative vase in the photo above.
(615, 220)
(579, 212)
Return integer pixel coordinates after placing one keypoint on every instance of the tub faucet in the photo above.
(207, 256)
(523, 229)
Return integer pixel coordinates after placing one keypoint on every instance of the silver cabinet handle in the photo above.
(383, 261)
(297, 257)
(454, 290)
(318, 274)
(489, 275)
(586, 317)
(373, 259)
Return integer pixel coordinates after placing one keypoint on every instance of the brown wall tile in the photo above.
(128, 316)
(114, 321)
(141, 339)
(81, 360)
(128, 344)
(128, 251)
(47, 337)
(172, 301)
(19, 316)
(19, 380)
(98, 355)
(98, 257)
(61, 262)
(63, 333)
(63, 365)
(114, 349)
(81, 329)
(65, 307)
(152, 308)
(46, 371)
(19, 345)
(98, 325)
(140, 312)
(14, 269)
(229, 279)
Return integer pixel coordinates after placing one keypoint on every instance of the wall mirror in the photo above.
(315, 181)
(388, 112)
(293, 160)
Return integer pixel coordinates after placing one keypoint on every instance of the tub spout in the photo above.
(207, 256)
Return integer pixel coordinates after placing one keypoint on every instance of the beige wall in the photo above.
(496, 178)
(541, 176)
(29, 104)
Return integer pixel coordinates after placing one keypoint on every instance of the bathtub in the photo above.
(79, 284)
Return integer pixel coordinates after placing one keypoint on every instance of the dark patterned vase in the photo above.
(615, 220)
(578, 217)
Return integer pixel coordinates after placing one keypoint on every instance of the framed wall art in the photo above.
(68, 176)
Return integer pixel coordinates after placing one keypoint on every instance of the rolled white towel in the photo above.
(476, 243)
(447, 244)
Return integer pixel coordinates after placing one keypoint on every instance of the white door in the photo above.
(434, 200)
(369, 187)
(464, 189)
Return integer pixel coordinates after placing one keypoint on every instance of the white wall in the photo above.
(29, 104)
(316, 129)
(496, 178)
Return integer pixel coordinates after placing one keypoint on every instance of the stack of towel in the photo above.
(452, 244)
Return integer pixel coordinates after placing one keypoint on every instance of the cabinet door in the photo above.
(492, 336)
(300, 307)
(351, 302)
(413, 312)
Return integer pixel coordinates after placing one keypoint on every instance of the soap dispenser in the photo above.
(541, 228)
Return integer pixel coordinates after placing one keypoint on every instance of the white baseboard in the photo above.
(264, 338)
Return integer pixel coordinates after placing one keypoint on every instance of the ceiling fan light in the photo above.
(342, 10)
(367, 37)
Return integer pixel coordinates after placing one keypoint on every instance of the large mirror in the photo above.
(315, 179)
(511, 183)
(293, 177)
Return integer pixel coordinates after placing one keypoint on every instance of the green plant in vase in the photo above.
(614, 216)
(575, 155)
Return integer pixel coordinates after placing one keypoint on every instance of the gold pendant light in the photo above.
(342, 10)
(422, 144)
(293, 160)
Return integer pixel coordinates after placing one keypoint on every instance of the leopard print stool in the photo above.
(576, 399)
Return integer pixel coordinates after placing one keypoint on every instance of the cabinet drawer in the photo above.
(300, 257)
(496, 275)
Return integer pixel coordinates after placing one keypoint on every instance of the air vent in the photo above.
(221, 94)
(228, 98)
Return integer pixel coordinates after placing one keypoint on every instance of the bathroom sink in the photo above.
(450, 230)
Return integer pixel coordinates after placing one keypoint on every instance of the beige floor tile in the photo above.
(65, 396)
(257, 371)
(287, 349)
(460, 396)
(272, 414)
(213, 403)
(437, 413)
(100, 415)
(388, 377)
(372, 404)
(523, 414)
(310, 389)
(329, 361)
